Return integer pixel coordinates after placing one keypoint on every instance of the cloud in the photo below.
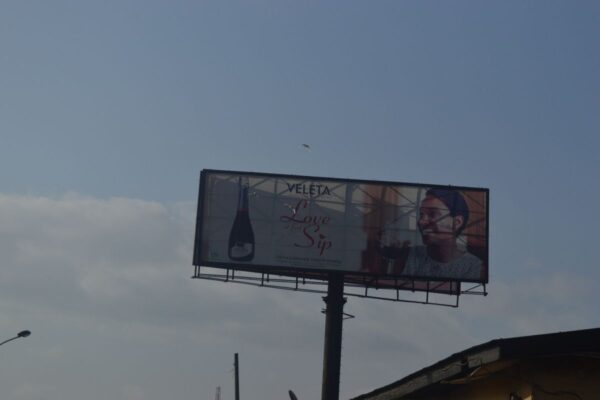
(104, 285)
(97, 251)
(33, 391)
(554, 300)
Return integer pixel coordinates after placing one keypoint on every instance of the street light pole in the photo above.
(21, 334)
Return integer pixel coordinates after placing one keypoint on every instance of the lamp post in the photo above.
(19, 335)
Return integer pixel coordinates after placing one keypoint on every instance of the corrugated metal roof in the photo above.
(460, 364)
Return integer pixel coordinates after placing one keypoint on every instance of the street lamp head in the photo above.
(24, 333)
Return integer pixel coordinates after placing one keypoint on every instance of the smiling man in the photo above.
(443, 215)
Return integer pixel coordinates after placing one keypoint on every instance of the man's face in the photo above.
(435, 222)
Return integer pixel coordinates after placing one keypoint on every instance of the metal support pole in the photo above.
(332, 356)
(237, 377)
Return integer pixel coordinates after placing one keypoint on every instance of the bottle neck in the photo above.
(243, 195)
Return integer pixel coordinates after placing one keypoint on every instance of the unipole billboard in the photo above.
(368, 234)
(390, 231)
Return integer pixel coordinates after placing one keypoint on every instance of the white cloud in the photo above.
(104, 285)
(33, 391)
(131, 392)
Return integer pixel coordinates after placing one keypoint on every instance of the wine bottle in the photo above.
(241, 237)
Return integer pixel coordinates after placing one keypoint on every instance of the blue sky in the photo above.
(109, 110)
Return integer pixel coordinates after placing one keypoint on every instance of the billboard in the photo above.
(291, 225)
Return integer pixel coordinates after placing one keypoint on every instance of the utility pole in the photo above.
(237, 377)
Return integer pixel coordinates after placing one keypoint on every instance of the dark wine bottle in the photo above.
(241, 237)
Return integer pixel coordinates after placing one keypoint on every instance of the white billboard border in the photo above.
(369, 282)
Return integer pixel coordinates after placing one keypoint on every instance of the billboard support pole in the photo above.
(237, 376)
(332, 354)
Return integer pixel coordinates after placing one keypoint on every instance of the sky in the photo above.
(109, 111)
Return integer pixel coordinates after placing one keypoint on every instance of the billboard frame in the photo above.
(369, 290)
(351, 277)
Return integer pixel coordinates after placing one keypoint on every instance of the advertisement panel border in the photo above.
(383, 280)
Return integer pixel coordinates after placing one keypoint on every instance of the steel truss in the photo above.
(395, 290)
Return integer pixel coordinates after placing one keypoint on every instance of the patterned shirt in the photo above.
(420, 264)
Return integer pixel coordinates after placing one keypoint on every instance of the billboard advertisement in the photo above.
(365, 229)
